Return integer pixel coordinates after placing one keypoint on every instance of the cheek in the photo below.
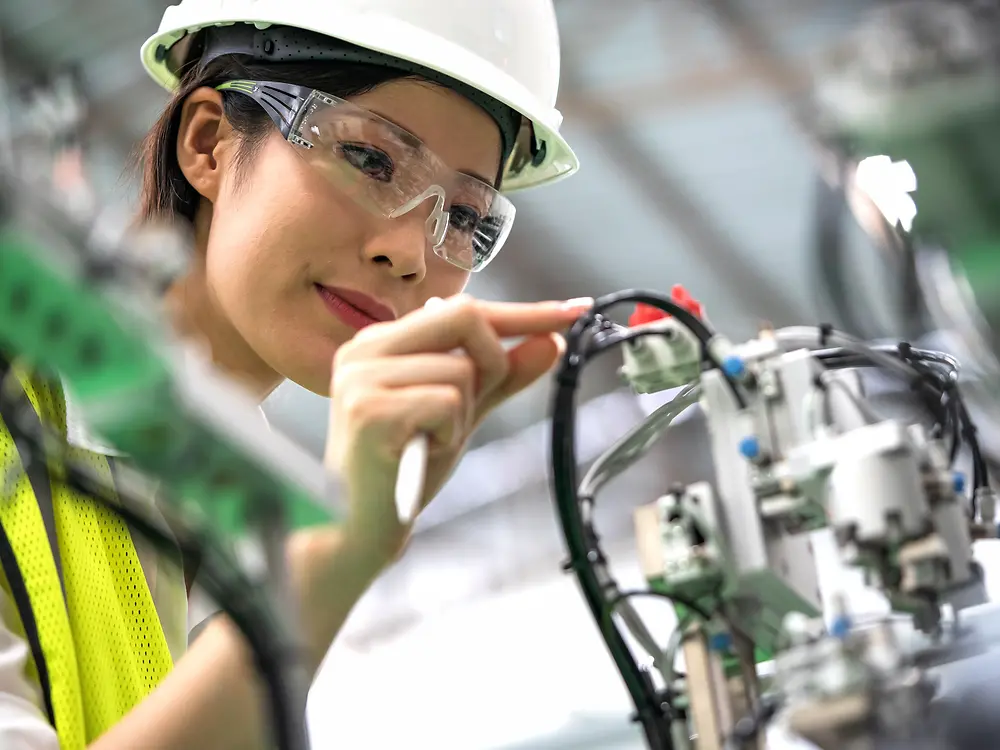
(249, 242)
(268, 229)
(446, 280)
(269, 238)
(443, 278)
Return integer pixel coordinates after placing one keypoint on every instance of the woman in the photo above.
(332, 190)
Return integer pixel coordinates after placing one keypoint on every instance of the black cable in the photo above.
(221, 577)
(980, 470)
(936, 378)
(585, 556)
(956, 432)
(933, 375)
(580, 546)
(649, 712)
(962, 421)
(936, 382)
(662, 302)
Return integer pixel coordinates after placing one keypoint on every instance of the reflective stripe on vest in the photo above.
(101, 648)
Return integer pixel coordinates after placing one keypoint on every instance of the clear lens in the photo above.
(389, 172)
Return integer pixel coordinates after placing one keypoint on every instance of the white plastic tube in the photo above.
(412, 472)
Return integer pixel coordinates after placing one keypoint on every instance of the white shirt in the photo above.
(23, 723)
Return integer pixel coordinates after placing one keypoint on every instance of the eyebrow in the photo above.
(466, 172)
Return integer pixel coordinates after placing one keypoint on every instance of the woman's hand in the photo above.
(439, 371)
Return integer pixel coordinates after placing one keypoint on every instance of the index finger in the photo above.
(463, 323)
(528, 318)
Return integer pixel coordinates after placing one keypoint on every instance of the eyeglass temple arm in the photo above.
(281, 101)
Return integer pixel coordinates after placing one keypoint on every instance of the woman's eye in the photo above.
(367, 159)
(464, 218)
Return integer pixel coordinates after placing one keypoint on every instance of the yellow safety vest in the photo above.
(97, 644)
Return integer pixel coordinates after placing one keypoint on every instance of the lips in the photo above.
(353, 308)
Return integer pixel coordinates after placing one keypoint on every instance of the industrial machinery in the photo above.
(905, 112)
(796, 443)
(796, 446)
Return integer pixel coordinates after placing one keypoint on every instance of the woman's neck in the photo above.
(196, 318)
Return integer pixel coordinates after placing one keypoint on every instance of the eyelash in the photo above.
(352, 151)
(357, 154)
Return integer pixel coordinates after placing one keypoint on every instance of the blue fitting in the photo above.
(750, 447)
(840, 626)
(733, 367)
(720, 641)
(958, 482)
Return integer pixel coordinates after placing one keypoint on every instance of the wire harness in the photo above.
(932, 376)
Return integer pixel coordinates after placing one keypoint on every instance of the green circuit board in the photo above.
(53, 318)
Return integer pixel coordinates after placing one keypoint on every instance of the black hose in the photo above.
(935, 380)
(585, 556)
(649, 713)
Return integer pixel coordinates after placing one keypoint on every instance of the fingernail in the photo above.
(560, 343)
(578, 303)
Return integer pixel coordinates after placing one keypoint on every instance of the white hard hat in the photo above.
(506, 49)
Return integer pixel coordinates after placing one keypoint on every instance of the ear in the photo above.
(204, 139)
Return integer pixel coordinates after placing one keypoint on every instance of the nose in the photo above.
(400, 246)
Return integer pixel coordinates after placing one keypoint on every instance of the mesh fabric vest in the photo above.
(102, 646)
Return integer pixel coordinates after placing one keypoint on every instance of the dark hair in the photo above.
(166, 193)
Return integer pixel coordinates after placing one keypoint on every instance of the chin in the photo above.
(310, 372)
(319, 386)
(298, 352)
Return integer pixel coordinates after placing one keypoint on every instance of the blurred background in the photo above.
(700, 167)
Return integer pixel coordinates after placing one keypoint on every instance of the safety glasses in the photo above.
(388, 170)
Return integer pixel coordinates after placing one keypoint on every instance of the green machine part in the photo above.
(115, 366)
(707, 601)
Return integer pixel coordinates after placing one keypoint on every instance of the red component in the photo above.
(645, 314)
(683, 298)
(648, 313)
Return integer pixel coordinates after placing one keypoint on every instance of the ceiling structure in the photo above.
(696, 170)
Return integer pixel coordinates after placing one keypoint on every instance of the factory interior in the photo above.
(708, 159)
